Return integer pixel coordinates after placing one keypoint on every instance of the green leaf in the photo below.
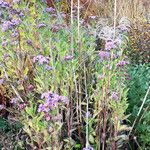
(91, 139)
(78, 146)
(25, 72)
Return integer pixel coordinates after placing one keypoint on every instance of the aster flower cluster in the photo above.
(10, 24)
(110, 45)
(13, 18)
(14, 100)
(41, 59)
(53, 13)
(22, 106)
(113, 39)
(4, 4)
(122, 63)
(110, 51)
(104, 55)
(51, 101)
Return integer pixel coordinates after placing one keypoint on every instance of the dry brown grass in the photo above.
(135, 10)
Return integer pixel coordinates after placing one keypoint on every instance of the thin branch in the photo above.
(115, 16)
(87, 109)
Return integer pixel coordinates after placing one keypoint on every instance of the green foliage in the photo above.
(139, 83)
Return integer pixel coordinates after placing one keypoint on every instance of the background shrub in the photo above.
(138, 85)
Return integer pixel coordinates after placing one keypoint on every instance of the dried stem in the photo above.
(87, 109)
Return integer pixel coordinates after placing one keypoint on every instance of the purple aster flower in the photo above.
(56, 28)
(43, 1)
(21, 14)
(92, 17)
(6, 25)
(2, 107)
(53, 15)
(110, 44)
(89, 148)
(48, 68)
(64, 99)
(46, 95)
(13, 11)
(115, 96)
(35, 59)
(50, 129)
(68, 57)
(118, 41)
(46, 107)
(1, 13)
(41, 59)
(14, 42)
(5, 55)
(22, 106)
(4, 43)
(104, 55)
(88, 114)
(29, 42)
(114, 56)
(1, 81)
(16, 1)
(51, 101)
(122, 63)
(41, 108)
(4, 4)
(50, 10)
(30, 87)
(14, 100)
(47, 117)
(63, 15)
(14, 34)
(40, 25)
(15, 22)
(1, 1)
